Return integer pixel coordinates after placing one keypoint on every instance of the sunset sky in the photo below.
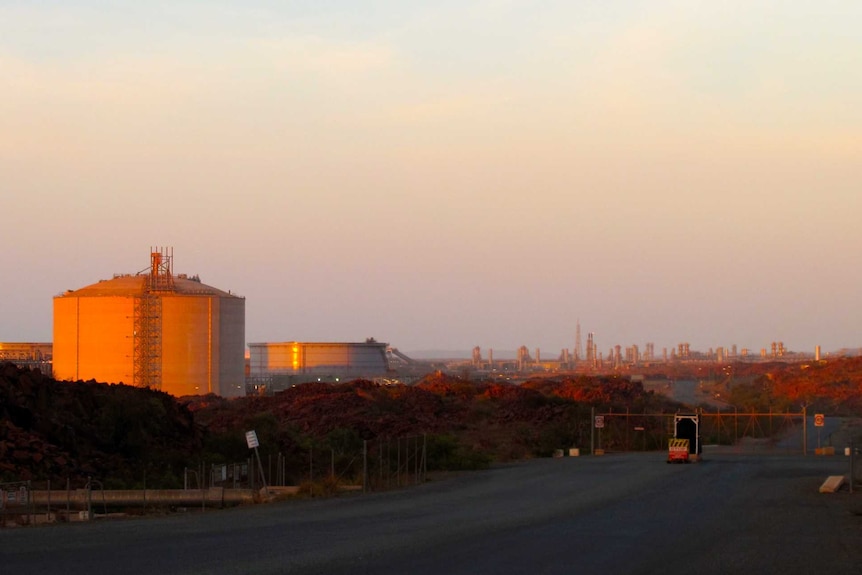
(440, 175)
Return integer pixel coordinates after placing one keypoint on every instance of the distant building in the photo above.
(279, 365)
(27, 354)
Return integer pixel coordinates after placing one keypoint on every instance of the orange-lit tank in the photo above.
(177, 335)
(281, 364)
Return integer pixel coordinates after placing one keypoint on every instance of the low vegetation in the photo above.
(127, 437)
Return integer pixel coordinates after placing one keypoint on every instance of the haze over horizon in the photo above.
(444, 176)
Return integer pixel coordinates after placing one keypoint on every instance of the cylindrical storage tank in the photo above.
(182, 337)
(326, 360)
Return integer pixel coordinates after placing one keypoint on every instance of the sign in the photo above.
(600, 421)
(819, 420)
(11, 497)
(677, 450)
(251, 439)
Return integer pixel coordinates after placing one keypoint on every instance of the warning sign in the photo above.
(675, 444)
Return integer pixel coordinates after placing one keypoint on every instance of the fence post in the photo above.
(736, 426)
(365, 466)
(89, 499)
(203, 490)
(628, 447)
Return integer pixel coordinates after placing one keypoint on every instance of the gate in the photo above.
(743, 432)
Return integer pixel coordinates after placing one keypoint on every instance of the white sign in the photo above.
(819, 420)
(600, 421)
(251, 439)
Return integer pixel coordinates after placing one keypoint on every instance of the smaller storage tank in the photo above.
(278, 365)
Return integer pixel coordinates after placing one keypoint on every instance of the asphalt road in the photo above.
(616, 514)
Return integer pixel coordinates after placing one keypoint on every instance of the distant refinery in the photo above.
(272, 367)
(591, 359)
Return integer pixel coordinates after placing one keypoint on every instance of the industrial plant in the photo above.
(173, 333)
(35, 355)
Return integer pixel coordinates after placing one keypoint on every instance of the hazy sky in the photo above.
(445, 174)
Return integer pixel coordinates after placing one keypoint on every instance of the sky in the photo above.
(443, 175)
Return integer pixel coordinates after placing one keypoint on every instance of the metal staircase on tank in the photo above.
(148, 320)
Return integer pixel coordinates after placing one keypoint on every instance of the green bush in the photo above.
(448, 453)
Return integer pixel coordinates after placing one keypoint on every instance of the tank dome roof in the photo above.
(132, 285)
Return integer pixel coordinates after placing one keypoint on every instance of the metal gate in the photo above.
(744, 432)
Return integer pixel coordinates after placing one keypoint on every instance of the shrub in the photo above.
(448, 453)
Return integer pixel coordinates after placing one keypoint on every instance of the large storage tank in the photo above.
(276, 365)
(152, 329)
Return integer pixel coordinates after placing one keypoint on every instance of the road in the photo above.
(691, 392)
(621, 514)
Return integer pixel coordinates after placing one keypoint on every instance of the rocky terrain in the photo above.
(126, 436)
(51, 430)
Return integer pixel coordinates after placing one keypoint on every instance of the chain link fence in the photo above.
(774, 432)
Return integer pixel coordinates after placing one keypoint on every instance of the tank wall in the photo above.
(357, 357)
(65, 338)
(187, 361)
(346, 359)
(327, 356)
(94, 339)
(231, 347)
(203, 345)
(267, 358)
